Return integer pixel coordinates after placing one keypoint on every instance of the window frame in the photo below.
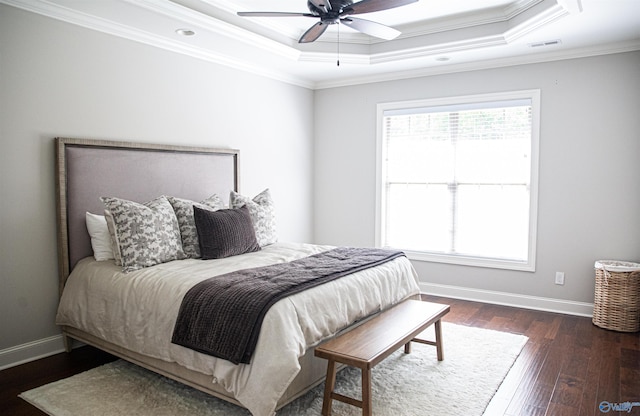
(534, 96)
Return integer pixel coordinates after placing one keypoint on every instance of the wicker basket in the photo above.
(617, 296)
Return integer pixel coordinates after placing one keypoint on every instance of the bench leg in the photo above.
(439, 348)
(438, 342)
(366, 392)
(330, 383)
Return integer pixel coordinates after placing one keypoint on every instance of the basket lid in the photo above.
(617, 266)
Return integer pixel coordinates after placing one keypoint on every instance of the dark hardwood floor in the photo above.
(568, 366)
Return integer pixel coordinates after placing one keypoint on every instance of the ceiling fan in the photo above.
(339, 11)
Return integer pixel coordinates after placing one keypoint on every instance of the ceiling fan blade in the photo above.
(274, 14)
(370, 6)
(313, 33)
(322, 4)
(371, 28)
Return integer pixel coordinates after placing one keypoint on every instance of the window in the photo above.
(457, 179)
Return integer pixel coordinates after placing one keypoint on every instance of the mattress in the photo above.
(138, 310)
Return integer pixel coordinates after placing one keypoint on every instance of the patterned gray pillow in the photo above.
(147, 234)
(262, 214)
(184, 213)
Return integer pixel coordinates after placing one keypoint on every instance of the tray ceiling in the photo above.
(438, 36)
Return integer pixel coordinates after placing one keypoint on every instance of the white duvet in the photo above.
(138, 311)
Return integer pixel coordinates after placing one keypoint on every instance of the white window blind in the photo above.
(458, 179)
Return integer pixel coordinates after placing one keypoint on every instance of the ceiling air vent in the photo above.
(545, 43)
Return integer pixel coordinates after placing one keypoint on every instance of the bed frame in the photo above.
(89, 169)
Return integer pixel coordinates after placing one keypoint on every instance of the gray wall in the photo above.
(57, 79)
(589, 189)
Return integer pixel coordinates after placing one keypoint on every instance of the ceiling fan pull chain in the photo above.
(338, 59)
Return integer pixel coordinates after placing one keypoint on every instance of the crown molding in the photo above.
(471, 20)
(439, 49)
(536, 20)
(211, 24)
(58, 12)
(464, 28)
(623, 47)
(503, 34)
(231, 8)
(324, 57)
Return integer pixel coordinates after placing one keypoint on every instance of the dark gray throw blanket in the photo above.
(222, 316)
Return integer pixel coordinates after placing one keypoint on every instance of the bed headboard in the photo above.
(89, 169)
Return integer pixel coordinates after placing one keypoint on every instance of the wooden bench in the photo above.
(370, 343)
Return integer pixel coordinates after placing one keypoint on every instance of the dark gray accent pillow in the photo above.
(225, 233)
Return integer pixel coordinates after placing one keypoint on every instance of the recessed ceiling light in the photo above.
(185, 32)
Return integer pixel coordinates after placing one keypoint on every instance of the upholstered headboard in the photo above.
(90, 169)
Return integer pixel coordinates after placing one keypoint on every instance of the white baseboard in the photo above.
(31, 351)
(509, 299)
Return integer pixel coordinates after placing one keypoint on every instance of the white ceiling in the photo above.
(437, 35)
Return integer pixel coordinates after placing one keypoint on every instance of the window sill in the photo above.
(471, 261)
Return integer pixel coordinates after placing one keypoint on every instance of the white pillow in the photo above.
(100, 238)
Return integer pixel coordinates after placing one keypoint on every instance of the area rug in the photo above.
(476, 361)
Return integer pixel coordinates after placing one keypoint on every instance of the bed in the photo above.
(132, 315)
